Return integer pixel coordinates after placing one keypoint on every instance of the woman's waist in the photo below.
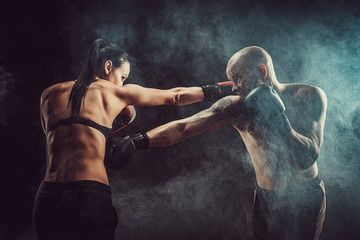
(60, 170)
(72, 188)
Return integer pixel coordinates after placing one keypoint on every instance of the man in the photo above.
(289, 199)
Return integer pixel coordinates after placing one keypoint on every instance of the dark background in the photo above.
(200, 188)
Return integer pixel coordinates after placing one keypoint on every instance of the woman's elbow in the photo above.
(179, 96)
(175, 99)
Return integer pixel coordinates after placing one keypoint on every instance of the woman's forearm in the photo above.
(187, 95)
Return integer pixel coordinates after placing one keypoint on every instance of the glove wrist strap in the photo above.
(141, 141)
(211, 92)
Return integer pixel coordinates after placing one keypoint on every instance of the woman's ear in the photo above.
(263, 70)
(108, 67)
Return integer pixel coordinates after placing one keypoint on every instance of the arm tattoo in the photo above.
(221, 105)
(217, 112)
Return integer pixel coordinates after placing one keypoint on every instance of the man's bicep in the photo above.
(320, 116)
(206, 120)
(313, 121)
(176, 131)
(215, 116)
(203, 121)
(225, 104)
(179, 130)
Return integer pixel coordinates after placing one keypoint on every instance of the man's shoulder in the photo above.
(308, 97)
(306, 92)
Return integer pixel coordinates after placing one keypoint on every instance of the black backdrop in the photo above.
(200, 188)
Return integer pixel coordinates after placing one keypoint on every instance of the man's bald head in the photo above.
(254, 59)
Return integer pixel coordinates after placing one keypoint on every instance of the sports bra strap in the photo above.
(104, 130)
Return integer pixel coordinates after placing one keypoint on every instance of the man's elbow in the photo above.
(178, 133)
(308, 158)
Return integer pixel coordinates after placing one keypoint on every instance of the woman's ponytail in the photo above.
(98, 54)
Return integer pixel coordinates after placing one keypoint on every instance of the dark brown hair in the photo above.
(98, 54)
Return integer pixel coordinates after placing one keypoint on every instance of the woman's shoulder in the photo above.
(61, 85)
(56, 88)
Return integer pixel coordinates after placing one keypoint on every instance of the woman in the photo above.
(74, 200)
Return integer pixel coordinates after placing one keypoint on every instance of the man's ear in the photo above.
(108, 67)
(263, 70)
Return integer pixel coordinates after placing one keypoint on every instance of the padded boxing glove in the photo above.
(265, 106)
(124, 118)
(214, 92)
(123, 148)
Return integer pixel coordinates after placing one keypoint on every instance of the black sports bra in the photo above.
(107, 132)
(67, 121)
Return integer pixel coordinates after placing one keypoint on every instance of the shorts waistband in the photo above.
(75, 186)
(307, 185)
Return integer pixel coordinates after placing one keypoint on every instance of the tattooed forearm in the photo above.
(178, 130)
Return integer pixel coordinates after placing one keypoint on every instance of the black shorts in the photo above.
(297, 213)
(74, 210)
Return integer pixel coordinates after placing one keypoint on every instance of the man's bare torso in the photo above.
(271, 156)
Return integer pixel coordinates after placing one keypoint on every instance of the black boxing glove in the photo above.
(214, 92)
(124, 118)
(124, 148)
(265, 106)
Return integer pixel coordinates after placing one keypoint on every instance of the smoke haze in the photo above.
(202, 188)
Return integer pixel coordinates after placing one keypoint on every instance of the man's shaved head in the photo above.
(250, 58)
